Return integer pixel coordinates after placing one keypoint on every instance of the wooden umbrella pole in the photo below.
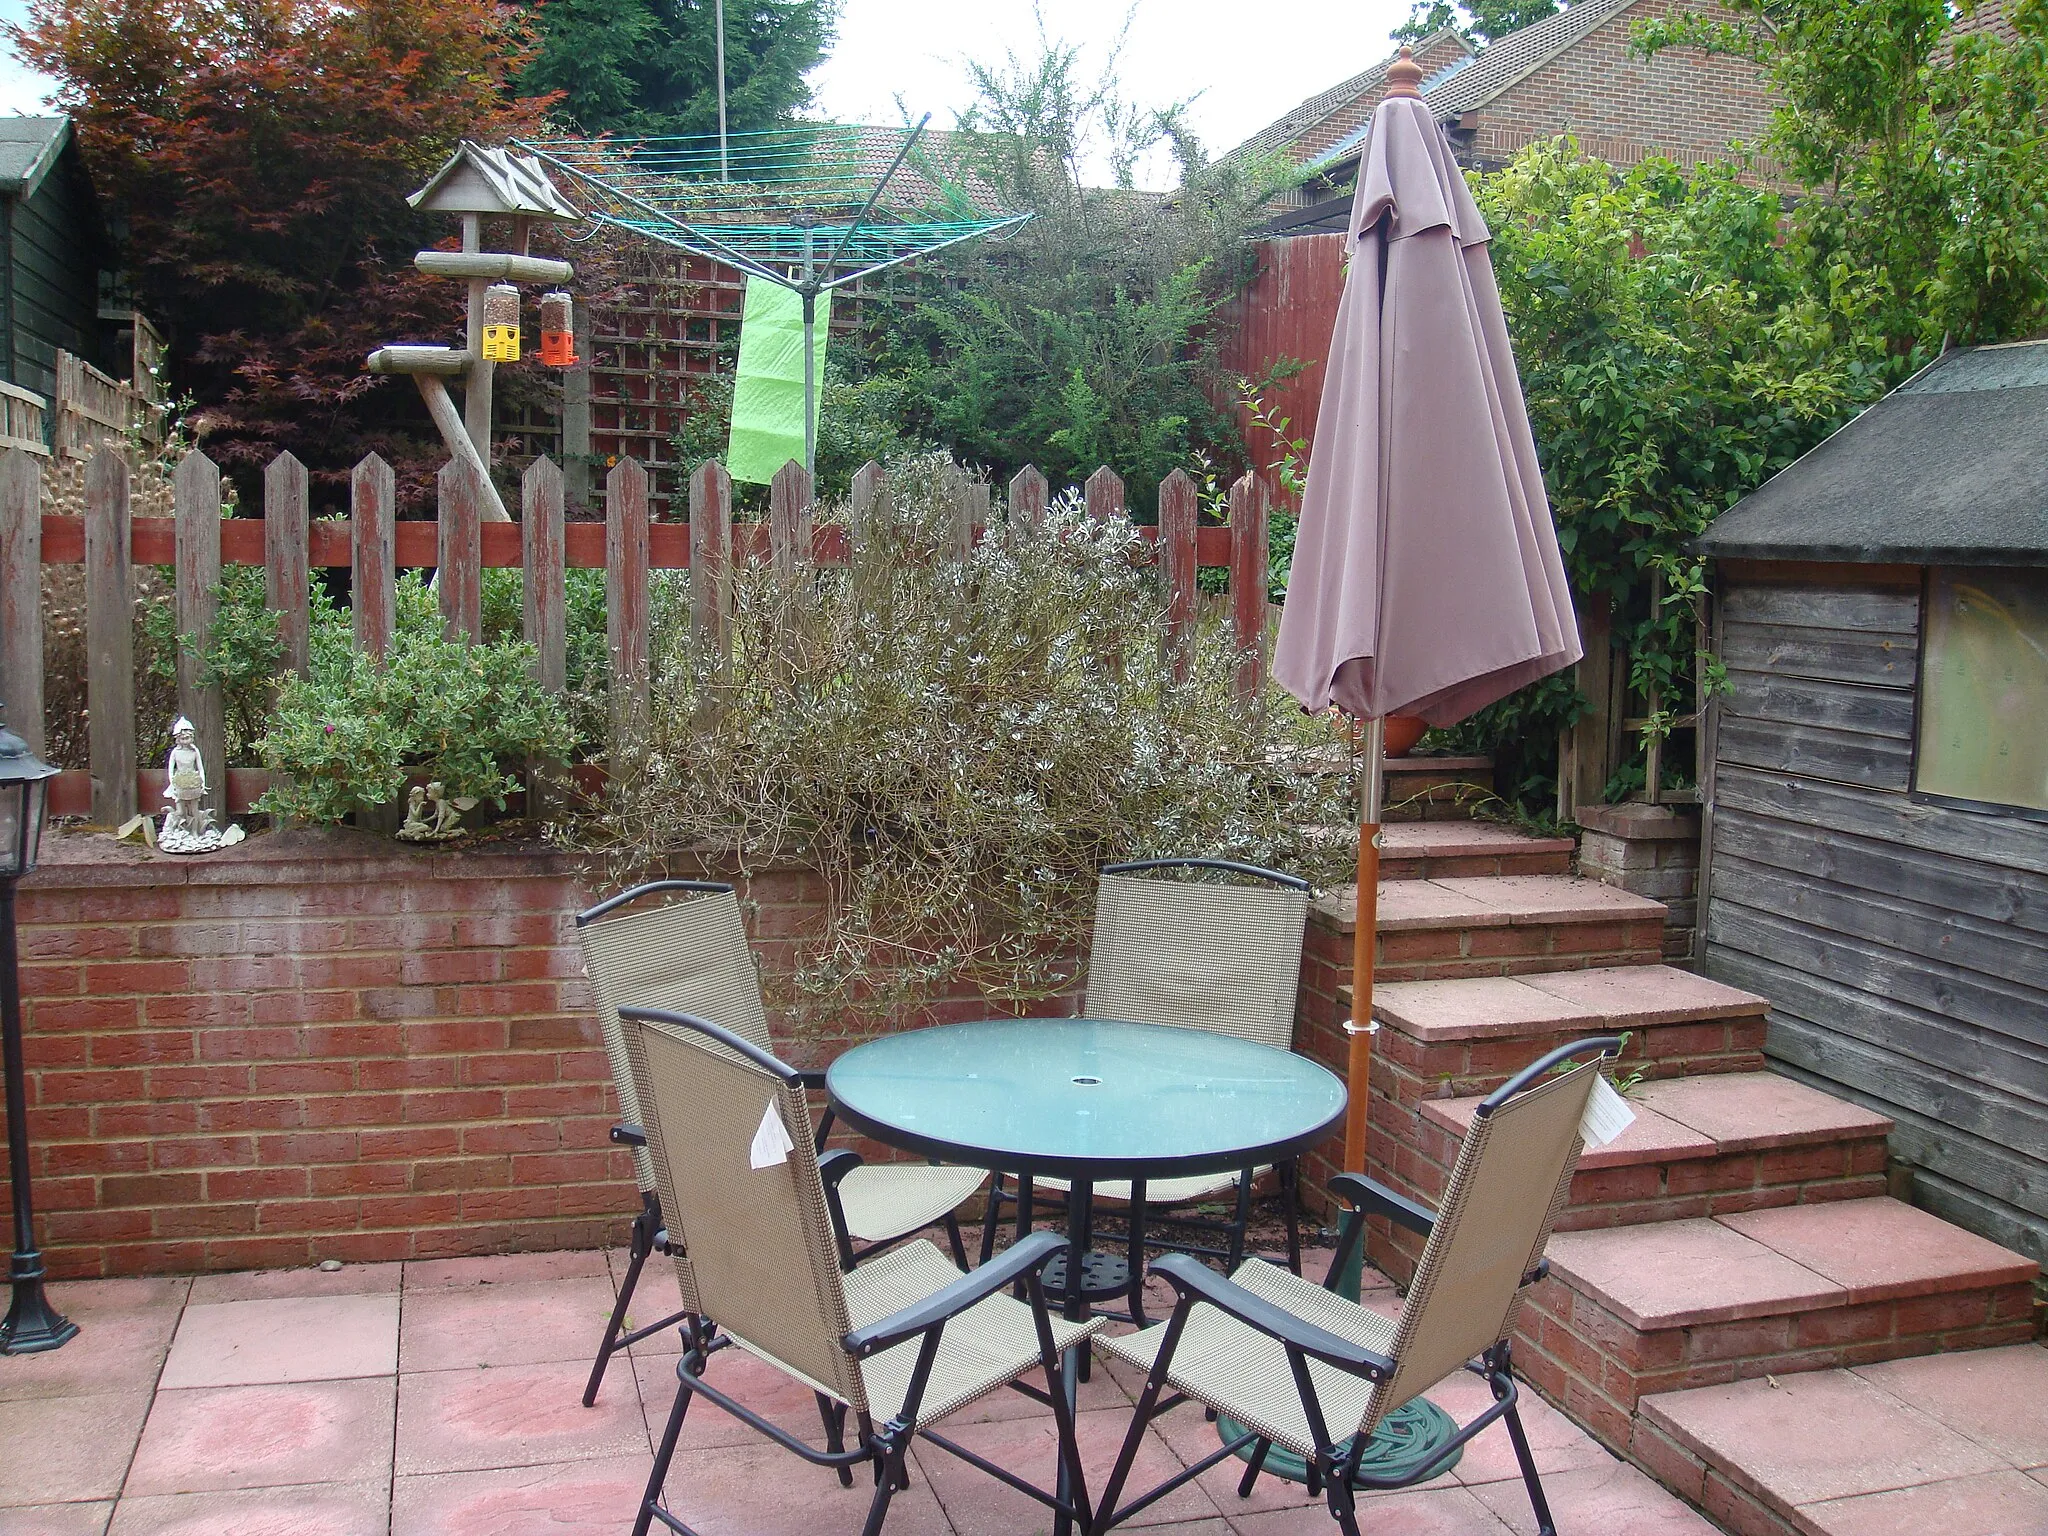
(1358, 1028)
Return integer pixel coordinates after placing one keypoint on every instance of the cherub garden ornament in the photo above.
(188, 825)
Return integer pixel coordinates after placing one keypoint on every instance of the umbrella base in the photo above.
(1407, 1440)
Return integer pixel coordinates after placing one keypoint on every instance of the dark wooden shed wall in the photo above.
(1904, 946)
(53, 255)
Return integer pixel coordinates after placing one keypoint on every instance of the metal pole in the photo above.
(718, 22)
(1359, 1027)
(32, 1324)
(810, 295)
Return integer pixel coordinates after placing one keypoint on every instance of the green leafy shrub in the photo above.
(241, 656)
(351, 734)
(958, 746)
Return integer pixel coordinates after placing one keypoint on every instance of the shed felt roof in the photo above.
(29, 147)
(1950, 468)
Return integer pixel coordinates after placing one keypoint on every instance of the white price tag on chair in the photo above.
(1607, 1115)
(771, 1140)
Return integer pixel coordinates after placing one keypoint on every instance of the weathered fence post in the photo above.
(546, 603)
(195, 491)
(109, 638)
(460, 578)
(789, 517)
(1105, 494)
(285, 573)
(869, 500)
(1028, 494)
(21, 595)
(970, 511)
(625, 577)
(1248, 582)
(373, 576)
(710, 555)
(1176, 547)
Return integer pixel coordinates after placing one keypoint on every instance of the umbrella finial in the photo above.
(1404, 75)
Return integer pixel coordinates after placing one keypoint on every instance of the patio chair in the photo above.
(1297, 1365)
(1195, 955)
(691, 955)
(901, 1342)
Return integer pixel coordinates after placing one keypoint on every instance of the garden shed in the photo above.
(52, 248)
(1876, 841)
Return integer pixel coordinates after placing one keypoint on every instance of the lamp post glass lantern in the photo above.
(32, 1324)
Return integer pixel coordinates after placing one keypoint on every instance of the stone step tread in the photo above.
(1770, 1263)
(1450, 840)
(1489, 901)
(1717, 1115)
(1956, 1443)
(1605, 998)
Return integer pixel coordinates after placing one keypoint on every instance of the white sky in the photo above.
(1244, 65)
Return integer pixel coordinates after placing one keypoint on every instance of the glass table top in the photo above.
(1086, 1098)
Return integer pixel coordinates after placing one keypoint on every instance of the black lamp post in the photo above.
(32, 1323)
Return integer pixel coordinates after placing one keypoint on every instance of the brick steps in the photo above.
(1434, 850)
(1955, 1444)
(1629, 1312)
(1498, 925)
(1415, 788)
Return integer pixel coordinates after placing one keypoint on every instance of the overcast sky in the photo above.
(1243, 65)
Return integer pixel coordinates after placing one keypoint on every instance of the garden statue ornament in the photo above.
(431, 816)
(188, 825)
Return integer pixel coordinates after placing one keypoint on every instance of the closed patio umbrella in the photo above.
(1427, 579)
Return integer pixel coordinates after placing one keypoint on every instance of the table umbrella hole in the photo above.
(1089, 1082)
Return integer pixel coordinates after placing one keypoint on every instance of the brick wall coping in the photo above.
(1640, 823)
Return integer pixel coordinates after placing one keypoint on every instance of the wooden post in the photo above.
(970, 511)
(460, 579)
(1585, 762)
(1177, 515)
(285, 573)
(625, 577)
(546, 605)
(1028, 494)
(109, 639)
(21, 595)
(373, 576)
(576, 415)
(710, 555)
(789, 517)
(1105, 494)
(1248, 582)
(195, 490)
(869, 501)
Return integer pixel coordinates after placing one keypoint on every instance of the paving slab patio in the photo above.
(443, 1398)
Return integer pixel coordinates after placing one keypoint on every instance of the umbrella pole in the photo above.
(1359, 1027)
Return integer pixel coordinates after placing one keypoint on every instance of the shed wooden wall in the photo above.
(1904, 946)
(53, 261)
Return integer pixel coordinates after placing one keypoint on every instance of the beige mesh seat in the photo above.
(1193, 955)
(898, 1343)
(688, 953)
(1297, 1365)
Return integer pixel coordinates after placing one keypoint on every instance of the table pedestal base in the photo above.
(1103, 1276)
(1406, 1441)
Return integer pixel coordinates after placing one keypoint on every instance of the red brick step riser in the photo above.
(1439, 866)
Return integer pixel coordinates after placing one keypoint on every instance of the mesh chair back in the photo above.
(762, 1255)
(1197, 955)
(1511, 1181)
(687, 956)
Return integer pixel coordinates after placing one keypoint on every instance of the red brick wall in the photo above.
(1683, 104)
(324, 1045)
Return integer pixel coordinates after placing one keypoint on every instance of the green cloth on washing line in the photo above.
(768, 390)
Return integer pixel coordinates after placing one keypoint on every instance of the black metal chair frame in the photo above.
(1335, 1471)
(885, 1448)
(648, 1235)
(1141, 1223)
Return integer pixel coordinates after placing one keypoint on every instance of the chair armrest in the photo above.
(629, 1136)
(832, 1167)
(1016, 1261)
(811, 1079)
(1190, 1277)
(1375, 1199)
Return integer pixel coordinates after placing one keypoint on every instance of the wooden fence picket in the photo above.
(1028, 497)
(1248, 582)
(625, 558)
(373, 574)
(110, 638)
(459, 578)
(868, 499)
(1177, 513)
(195, 495)
(21, 595)
(1105, 494)
(789, 517)
(970, 512)
(285, 536)
(710, 556)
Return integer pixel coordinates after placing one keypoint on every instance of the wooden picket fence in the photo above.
(197, 541)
